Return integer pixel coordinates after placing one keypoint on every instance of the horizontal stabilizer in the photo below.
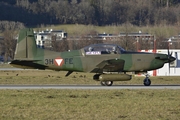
(27, 64)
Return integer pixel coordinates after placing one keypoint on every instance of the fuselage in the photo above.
(77, 60)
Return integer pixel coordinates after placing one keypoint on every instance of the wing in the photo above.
(112, 65)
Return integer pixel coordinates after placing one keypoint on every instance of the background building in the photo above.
(45, 39)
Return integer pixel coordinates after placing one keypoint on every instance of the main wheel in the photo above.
(103, 83)
(147, 82)
(108, 83)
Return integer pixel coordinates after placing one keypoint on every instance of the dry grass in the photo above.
(54, 77)
(90, 104)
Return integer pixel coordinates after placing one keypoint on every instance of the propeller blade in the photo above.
(168, 53)
(169, 67)
(169, 56)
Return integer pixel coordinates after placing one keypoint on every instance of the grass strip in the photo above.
(53, 77)
(90, 104)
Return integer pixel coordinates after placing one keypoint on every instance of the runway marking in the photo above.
(95, 87)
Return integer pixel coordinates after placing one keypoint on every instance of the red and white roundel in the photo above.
(59, 61)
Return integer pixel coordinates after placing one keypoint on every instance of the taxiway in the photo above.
(95, 87)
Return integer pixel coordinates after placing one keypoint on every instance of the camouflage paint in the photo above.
(27, 44)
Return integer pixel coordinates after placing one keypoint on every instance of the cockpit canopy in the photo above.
(98, 49)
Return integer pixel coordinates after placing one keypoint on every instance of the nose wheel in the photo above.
(147, 81)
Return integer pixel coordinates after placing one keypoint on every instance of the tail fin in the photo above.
(26, 45)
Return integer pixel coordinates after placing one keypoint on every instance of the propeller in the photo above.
(170, 59)
(167, 59)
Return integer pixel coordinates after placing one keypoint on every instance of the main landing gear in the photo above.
(106, 83)
(103, 83)
(147, 81)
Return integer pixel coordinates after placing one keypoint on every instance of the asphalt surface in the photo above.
(84, 87)
(9, 69)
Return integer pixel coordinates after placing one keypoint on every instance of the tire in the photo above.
(147, 82)
(103, 83)
(108, 83)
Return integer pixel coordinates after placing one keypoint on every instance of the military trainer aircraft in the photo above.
(109, 62)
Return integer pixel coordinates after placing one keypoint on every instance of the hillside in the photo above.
(91, 12)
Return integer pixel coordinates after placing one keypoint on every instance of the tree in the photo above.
(86, 13)
(9, 44)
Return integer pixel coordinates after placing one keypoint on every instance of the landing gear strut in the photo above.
(147, 81)
(106, 83)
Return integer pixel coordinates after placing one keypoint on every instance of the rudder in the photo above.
(26, 45)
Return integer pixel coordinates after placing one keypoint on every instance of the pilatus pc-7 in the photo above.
(109, 62)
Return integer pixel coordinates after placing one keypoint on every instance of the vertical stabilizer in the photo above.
(26, 45)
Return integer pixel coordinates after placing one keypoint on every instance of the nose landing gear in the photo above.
(147, 81)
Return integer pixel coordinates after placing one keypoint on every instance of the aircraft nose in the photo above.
(171, 59)
(166, 58)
